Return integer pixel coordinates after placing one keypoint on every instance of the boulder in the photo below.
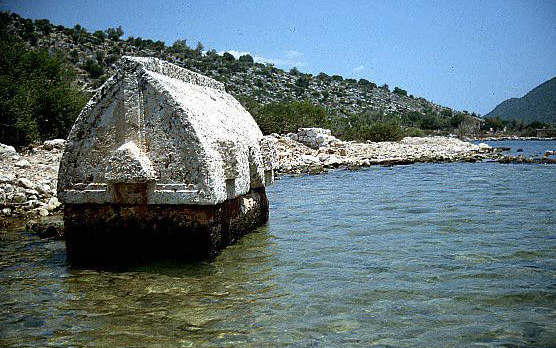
(46, 227)
(22, 163)
(156, 151)
(6, 178)
(54, 144)
(314, 137)
(7, 151)
(26, 183)
(53, 204)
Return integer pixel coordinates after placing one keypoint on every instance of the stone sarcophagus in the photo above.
(162, 162)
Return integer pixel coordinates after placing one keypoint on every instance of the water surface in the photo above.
(428, 255)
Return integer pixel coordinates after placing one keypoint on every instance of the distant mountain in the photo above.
(537, 105)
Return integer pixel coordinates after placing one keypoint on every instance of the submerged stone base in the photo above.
(113, 234)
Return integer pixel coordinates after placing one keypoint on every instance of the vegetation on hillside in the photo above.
(92, 54)
(47, 72)
(287, 117)
(37, 99)
(513, 127)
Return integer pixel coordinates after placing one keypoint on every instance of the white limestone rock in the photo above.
(161, 134)
(22, 163)
(54, 144)
(315, 137)
(7, 151)
(7, 178)
(53, 204)
(128, 165)
(26, 183)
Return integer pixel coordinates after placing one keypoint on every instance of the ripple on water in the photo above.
(423, 255)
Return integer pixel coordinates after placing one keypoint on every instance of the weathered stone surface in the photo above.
(161, 162)
(314, 137)
(54, 144)
(7, 151)
(127, 234)
(23, 163)
(175, 135)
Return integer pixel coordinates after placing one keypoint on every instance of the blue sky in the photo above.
(468, 55)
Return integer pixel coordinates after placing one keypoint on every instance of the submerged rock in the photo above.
(46, 227)
(162, 156)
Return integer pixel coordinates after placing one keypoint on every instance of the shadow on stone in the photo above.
(120, 236)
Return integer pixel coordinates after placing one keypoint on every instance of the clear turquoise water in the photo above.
(427, 255)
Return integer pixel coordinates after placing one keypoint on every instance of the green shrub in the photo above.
(246, 59)
(376, 131)
(287, 117)
(400, 91)
(94, 69)
(382, 131)
(37, 100)
(114, 33)
(414, 132)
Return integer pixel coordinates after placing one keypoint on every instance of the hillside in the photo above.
(537, 105)
(93, 56)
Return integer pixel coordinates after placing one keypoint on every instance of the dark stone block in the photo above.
(116, 235)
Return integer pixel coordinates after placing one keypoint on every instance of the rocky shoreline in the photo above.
(314, 150)
(28, 179)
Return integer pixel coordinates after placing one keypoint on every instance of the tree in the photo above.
(44, 25)
(158, 45)
(303, 81)
(99, 35)
(337, 78)
(228, 57)
(180, 46)
(94, 69)
(37, 100)
(400, 91)
(294, 71)
(495, 123)
(78, 34)
(323, 77)
(114, 34)
(246, 59)
(199, 48)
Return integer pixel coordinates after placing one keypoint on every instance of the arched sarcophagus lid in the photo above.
(156, 133)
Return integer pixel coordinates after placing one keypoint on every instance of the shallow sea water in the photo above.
(425, 255)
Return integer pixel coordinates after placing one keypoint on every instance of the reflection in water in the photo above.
(421, 255)
(177, 302)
